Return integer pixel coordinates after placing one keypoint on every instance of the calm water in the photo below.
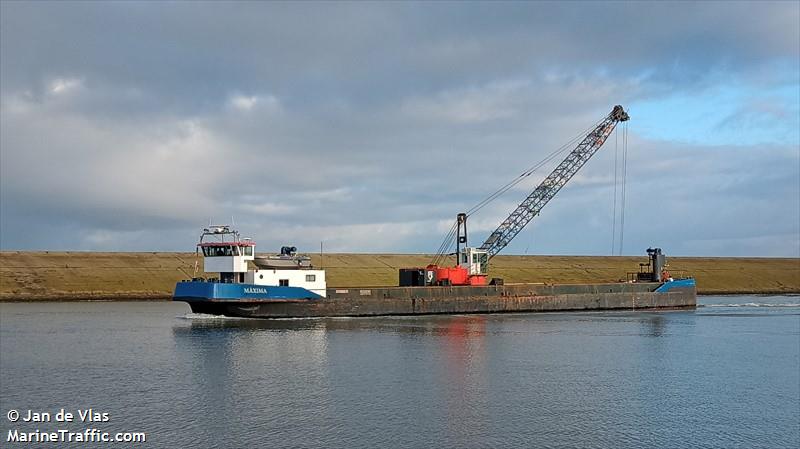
(726, 375)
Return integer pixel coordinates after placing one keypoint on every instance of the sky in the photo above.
(366, 127)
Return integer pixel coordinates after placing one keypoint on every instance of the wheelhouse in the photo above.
(226, 253)
(213, 249)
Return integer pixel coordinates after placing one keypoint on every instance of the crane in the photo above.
(472, 263)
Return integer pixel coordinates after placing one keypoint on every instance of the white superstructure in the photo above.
(309, 279)
(233, 258)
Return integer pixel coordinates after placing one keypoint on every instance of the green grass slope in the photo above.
(31, 276)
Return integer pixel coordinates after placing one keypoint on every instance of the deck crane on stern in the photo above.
(473, 263)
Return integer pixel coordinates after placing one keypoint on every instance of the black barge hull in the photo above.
(462, 300)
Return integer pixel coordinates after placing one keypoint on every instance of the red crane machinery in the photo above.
(473, 263)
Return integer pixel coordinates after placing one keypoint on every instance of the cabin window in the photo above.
(483, 259)
(248, 250)
(311, 277)
(235, 250)
(217, 251)
(283, 282)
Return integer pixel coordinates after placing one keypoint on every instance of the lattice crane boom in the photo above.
(549, 187)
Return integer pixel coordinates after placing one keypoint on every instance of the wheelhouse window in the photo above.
(218, 251)
(227, 250)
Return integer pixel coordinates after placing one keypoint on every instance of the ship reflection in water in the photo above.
(578, 379)
(335, 366)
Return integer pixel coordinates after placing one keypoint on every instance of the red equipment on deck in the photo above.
(456, 276)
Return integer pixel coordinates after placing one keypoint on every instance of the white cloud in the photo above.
(245, 103)
(162, 168)
(60, 86)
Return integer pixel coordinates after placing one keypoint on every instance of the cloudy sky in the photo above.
(368, 126)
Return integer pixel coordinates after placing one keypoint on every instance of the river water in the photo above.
(726, 375)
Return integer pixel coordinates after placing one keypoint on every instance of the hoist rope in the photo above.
(624, 181)
(614, 212)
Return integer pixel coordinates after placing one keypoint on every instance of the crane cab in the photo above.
(472, 268)
(475, 261)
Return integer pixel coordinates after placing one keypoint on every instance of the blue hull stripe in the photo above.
(215, 291)
(680, 283)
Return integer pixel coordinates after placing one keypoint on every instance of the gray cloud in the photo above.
(368, 126)
(192, 54)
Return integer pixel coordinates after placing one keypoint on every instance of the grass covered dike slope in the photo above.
(64, 276)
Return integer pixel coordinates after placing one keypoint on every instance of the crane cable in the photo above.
(616, 183)
(447, 242)
(624, 181)
(444, 247)
(530, 170)
(614, 210)
(513, 183)
(620, 181)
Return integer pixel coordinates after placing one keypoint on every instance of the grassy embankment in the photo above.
(33, 276)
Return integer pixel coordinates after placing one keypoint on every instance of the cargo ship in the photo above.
(285, 285)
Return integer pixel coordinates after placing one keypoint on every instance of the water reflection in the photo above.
(455, 326)
(334, 366)
(240, 371)
(464, 375)
(546, 380)
(655, 325)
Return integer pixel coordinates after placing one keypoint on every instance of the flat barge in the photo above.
(459, 300)
(287, 286)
